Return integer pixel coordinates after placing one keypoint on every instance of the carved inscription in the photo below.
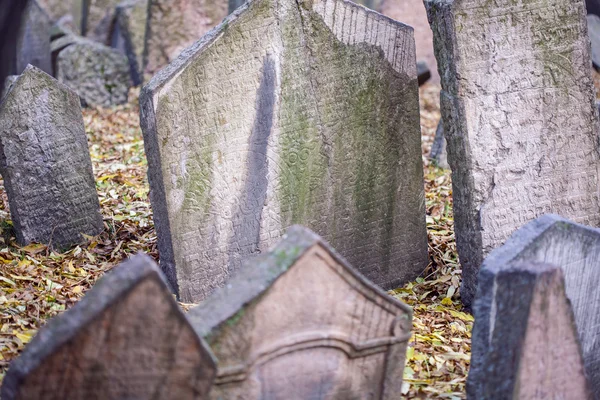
(521, 121)
(287, 114)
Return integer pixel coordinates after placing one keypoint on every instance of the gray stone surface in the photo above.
(132, 16)
(283, 115)
(281, 330)
(576, 249)
(33, 44)
(593, 22)
(8, 82)
(525, 343)
(97, 73)
(438, 149)
(59, 9)
(126, 339)
(175, 25)
(45, 163)
(98, 19)
(520, 119)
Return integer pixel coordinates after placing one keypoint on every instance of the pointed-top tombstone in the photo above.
(288, 112)
(574, 248)
(300, 323)
(126, 339)
(33, 44)
(45, 163)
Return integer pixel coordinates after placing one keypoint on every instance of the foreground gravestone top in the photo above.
(45, 163)
(576, 249)
(299, 323)
(525, 342)
(520, 119)
(288, 114)
(33, 43)
(126, 339)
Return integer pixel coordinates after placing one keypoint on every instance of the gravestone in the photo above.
(58, 9)
(45, 163)
(98, 19)
(10, 80)
(576, 249)
(126, 339)
(520, 119)
(525, 343)
(284, 115)
(593, 22)
(438, 148)
(299, 323)
(175, 25)
(97, 73)
(131, 22)
(33, 43)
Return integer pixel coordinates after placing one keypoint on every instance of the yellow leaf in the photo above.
(24, 337)
(446, 301)
(76, 289)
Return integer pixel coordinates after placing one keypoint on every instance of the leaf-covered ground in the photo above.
(36, 284)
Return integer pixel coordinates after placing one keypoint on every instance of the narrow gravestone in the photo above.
(33, 43)
(59, 9)
(525, 343)
(300, 323)
(593, 22)
(520, 118)
(99, 74)
(283, 115)
(45, 163)
(132, 16)
(98, 19)
(576, 249)
(127, 339)
(438, 148)
(175, 25)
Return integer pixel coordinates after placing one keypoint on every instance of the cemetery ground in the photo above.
(36, 283)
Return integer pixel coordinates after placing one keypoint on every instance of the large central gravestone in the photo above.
(288, 113)
(520, 118)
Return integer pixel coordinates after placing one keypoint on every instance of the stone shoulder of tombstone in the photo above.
(303, 320)
(127, 338)
(97, 73)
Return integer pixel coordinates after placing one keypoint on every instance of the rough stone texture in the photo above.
(8, 83)
(593, 22)
(33, 44)
(126, 339)
(284, 115)
(520, 118)
(98, 19)
(576, 249)
(131, 23)
(99, 74)
(525, 342)
(300, 323)
(438, 148)
(175, 25)
(45, 163)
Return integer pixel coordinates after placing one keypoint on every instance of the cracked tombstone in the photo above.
(524, 328)
(174, 25)
(126, 339)
(33, 43)
(520, 118)
(45, 163)
(575, 249)
(98, 19)
(299, 323)
(131, 19)
(262, 125)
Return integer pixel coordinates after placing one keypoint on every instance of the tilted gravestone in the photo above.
(131, 19)
(576, 249)
(525, 342)
(299, 323)
(33, 43)
(520, 118)
(126, 339)
(175, 25)
(288, 114)
(98, 19)
(99, 74)
(45, 163)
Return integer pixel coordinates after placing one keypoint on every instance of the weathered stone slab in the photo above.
(520, 119)
(45, 163)
(593, 22)
(438, 149)
(99, 74)
(300, 323)
(58, 9)
(132, 16)
(283, 115)
(576, 249)
(525, 343)
(126, 339)
(175, 25)
(33, 44)
(98, 19)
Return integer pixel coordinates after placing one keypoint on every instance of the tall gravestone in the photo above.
(58, 9)
(300, 323)
(288, 114)
(45, 163)
(98, 19)
(175, 25)
(576, 250)
(126, 339)
(520, 118)
(33, 43)
(131, 19)
(525, 342)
